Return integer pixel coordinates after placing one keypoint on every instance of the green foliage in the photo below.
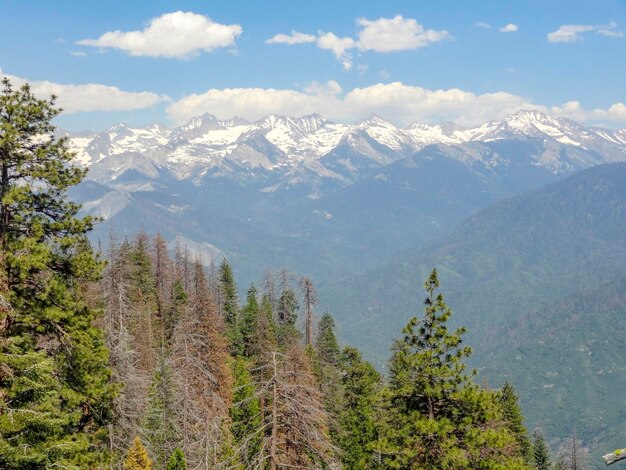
(514, 419)
(229, 300)
(326, 342)
(55, 396)
(137, 458)
(245, 413)
(357, 418)
(435, 416)
(177, 460)
(159, 427)
(248, 319)
(541, 452)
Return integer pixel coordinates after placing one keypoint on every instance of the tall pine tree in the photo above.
(55, 394)
(436, 416)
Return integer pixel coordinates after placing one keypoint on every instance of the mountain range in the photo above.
(323, 197)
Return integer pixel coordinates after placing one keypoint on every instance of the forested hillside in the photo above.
(537, 279)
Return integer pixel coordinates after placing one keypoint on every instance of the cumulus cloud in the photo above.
(90, 96)
(396, 34)
(570, 33)
(482, 24)
(339, 47)
(615, 113)
(509, 28)
(290, 39)
(173, 35)
(401, 103)
(381, 35)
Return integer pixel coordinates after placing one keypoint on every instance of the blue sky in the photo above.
(407, 61)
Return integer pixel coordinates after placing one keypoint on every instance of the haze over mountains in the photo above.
(295, 185)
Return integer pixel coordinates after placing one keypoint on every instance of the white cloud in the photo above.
(569, 33)
(609, 30)
(482, 24)
(615, 113)
(509, 28)
(78, 53)
(381, 35)
(179, 35)
(338, 45)
(396, 101)
(396, 34)
(90, 96)
(290, 39)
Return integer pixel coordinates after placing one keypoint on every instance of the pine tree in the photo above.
(541, 452)
(55, 394)
(357, 418)
(229, 300)
(287, 311)
(325, 361)
(436, 416)
(159, 424)
(177, 460)
(515, 420)
(245, 414)
(248, 322)
(137, 458)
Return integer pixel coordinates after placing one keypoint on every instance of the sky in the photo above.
(407, 61)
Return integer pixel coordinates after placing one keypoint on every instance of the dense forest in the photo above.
(133, 357)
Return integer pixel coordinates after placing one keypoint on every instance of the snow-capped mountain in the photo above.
(207, 145)
(308, 185)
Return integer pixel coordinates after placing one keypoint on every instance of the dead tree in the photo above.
(310, 300)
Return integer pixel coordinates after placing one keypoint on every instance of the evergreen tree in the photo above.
(515, 420)
(326, 341)
(287, 311)
(325, 361)
(177, 460)
(159, 424)
(436, 417)
(229, 300)
(55, 393)
(245, 414)
(541, 452)
(310, 300)
(357, 418)
(248, 322)
(137, 458)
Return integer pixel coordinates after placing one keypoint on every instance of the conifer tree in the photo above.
(541, 452)
(245, 414)
(129, 403)
(287, 311)
(160, 426)
(248, 322)
(177, 460)
(55, 394)
(229, 300)
(515, 420)
(357, 418)
(202, 380)
(436, 417)
(137, 458)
